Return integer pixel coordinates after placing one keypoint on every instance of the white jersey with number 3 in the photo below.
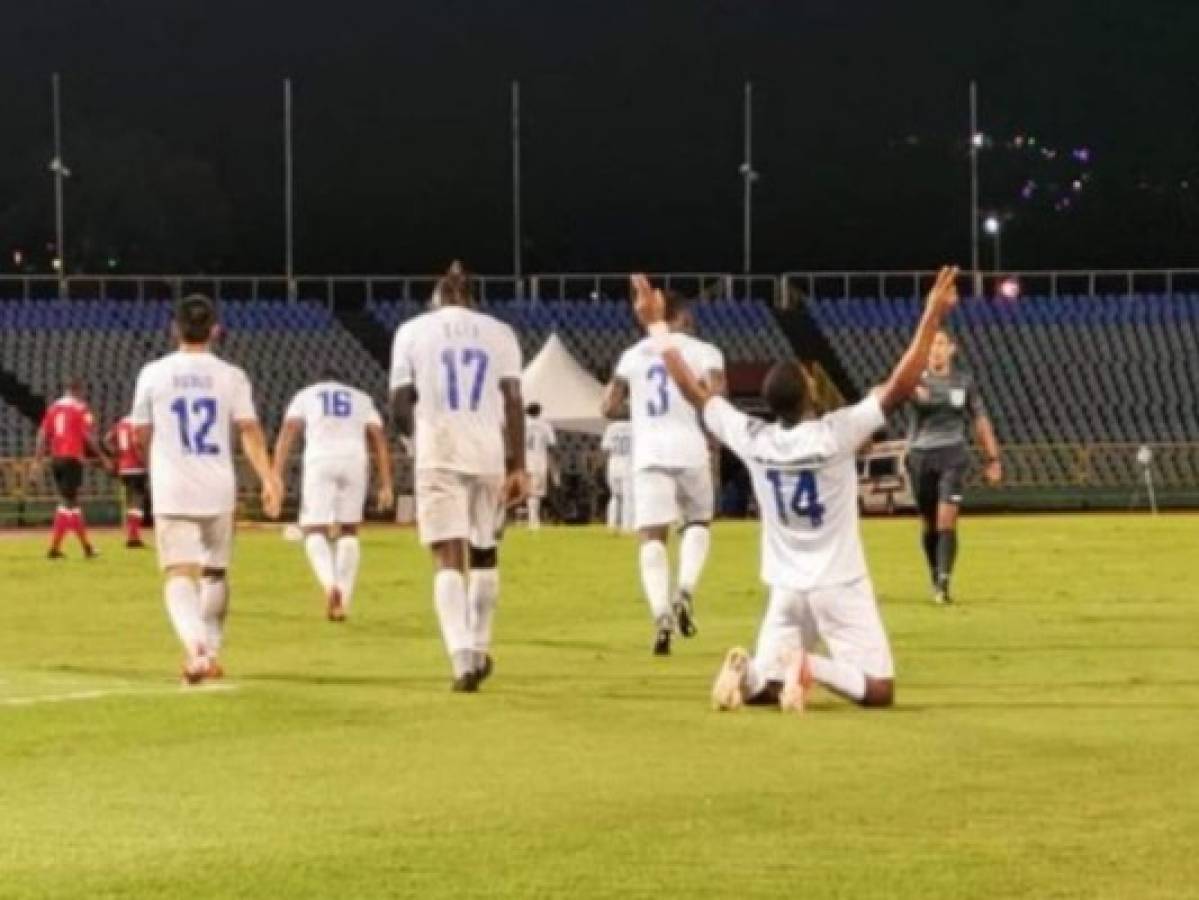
(806, 483)
(335, 418)
(192, 401)
(666, 429)
(456, 358)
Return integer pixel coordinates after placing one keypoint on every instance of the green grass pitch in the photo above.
(1045, 742)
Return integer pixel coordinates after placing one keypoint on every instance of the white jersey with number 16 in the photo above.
(335, 418)
(806, 484)
(456, 358)
(192, 401)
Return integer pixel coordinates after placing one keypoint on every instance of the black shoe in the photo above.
(662, 642)
(484, 671)
(466, 684)
(135, 544)
(941, 592)
(90, 552)
(684, 614)
(55, 554)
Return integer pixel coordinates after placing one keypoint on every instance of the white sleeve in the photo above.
(142, 405)
(624, 366)
(507, 363)
(295, 409)
(729, 425)
(715, 361)
(606, 441)
(853, 426)
(243, 399)
(401, 361)
(551, 437)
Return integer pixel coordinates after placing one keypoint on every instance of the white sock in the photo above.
(626, 510)
(320, 554)
(449, 596)
(182, 596)
(534, 512)
(482, 596)
(655, 579)
(349, 552)
(693, 553)
(838, 676)
(214, 606)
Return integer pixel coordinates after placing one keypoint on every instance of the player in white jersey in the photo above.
(455, 382)
(805, 480)
(186, 408)
(540, 441)
(617, 443)
(337, 422)
(672, 468)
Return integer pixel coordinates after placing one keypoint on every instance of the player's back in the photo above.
(617, 442)
(806, 483)
(335, 417)
(66, 424)
(456, 358)
(129, 455)
(539, 437)
(192, 399)
(666, 429)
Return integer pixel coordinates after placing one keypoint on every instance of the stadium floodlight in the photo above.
(992, 225)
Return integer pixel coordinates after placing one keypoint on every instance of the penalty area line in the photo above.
(102, 693)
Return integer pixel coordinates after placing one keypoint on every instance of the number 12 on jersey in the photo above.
(451, 361)
(804, 501)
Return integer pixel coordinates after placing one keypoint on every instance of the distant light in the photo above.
(112, 262)
(991, 225)
(979, 139)
(1077, 185)
(18, 257)
(56, 264)
(1082, 155)
(1009, 288)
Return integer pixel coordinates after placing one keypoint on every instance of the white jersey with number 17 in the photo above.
(335, 418)
(192, 401)
(806, 483)
(456, 358)
(666, 429)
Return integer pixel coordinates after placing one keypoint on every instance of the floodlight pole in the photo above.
(748, 176)
(974, 148)
(60, 171)
(289, 259)
(517, 250)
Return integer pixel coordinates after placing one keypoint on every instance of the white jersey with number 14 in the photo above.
(806, 484)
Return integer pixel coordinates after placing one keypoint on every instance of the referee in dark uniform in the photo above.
(942, 413)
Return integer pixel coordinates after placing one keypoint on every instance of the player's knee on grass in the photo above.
(767, 696)
(484, 559)
(880, 692)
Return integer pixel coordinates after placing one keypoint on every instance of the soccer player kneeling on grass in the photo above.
(186, 407)
(455, 381)
(805, 479)
(337, 422)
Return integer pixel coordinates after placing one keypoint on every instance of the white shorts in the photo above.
(618, 482)
(666, 496)
(455, 506)
(845, 618)
(334, 492)
(538, 483)
(201, 540)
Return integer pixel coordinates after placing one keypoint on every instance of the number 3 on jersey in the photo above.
(195, 439)
(805, 503)
(451, 361)
(658, 406)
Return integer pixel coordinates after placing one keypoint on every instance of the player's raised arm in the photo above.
(650, 308)
(906, 374)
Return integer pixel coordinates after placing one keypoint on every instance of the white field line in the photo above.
(101, 693)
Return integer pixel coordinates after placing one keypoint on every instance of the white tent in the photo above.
(569, 395)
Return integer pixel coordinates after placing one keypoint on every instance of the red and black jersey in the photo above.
(67, 425)
(129, 455)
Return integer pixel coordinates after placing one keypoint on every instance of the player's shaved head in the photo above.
(195, 318)
(533, 410)
(454, 287)
(785, 391)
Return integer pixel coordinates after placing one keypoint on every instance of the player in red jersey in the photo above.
(66, 432)
(131, 468)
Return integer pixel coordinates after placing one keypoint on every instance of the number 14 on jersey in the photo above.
(804, 501)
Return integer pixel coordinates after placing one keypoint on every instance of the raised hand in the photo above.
(648, 303)
(944, 294)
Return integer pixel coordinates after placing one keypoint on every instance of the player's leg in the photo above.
(656, 510)
(349, 501)
(697, 503)
(62, 513)
(537, 484)
(217, 534)
(858, 666)
(949, 500)
(483, 585)
(779, 640)
(73, 481)
(318, 513)
(924, 488)
(614, 498)
(443, 521)
(181, 557)
(135, 501)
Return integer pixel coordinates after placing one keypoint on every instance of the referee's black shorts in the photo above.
(137, 492)
(938, 475)
(68, 477)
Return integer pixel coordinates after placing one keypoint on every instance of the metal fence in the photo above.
(783, 290)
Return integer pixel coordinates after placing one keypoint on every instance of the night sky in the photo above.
(632, 132)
